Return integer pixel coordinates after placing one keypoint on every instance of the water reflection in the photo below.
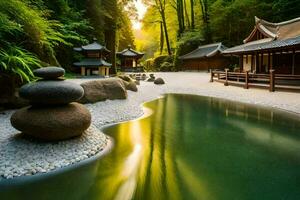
(191, 148)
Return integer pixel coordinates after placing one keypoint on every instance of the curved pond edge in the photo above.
(110, 142)
(40, 176)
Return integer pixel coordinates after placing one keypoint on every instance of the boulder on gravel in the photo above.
(103, 89)
(125, 78)
(137, 82)
(150, 79)
(52, 123)
(130, 86)
(129, 82)
(159, 81)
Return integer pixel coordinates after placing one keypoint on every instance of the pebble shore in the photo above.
(23, 157)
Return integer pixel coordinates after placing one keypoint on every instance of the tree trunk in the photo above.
(166, 32)
(161, 4)
(162, 39)
(205, 19)
(187, 15)
(192, 14)
(180, 17)
(110, 38)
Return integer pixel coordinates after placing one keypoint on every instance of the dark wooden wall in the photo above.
(217, 62)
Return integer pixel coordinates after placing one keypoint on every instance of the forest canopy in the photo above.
(35, 33)
(44, 32)
(190, 23)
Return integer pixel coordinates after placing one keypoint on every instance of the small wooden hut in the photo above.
(94, 59)
(270, 46)
(129, 59)
(205, 57)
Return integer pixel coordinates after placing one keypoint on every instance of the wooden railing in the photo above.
(247, 79)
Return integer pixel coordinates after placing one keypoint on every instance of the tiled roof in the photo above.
(281, 31)
(130, 53)
(204, 51)
(95, 46)
(89, 62)
(264, 44)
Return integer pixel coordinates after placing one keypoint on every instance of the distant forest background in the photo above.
(36, 33)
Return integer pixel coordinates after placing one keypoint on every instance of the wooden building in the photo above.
(205, 57)
(94, 59)
(129, 59)
(270, 46)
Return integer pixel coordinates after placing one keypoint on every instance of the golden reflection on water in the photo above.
(147, 160)
(187, 147)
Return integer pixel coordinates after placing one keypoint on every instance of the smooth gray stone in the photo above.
(52, 123)
(159, 81)
(49, 72)
(51, 92)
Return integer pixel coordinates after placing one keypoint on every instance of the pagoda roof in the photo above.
(282, 30)
(92, 62)
(95, 46)
(263, 45)
(277, 36)
(204, 51)
(129, 52)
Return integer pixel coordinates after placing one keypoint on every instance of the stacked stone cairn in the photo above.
(53, 114)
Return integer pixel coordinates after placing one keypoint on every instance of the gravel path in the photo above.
(19, 156)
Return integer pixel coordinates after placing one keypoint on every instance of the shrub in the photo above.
(148, 65)
(158, 61)
(166, 67)
(17, 61)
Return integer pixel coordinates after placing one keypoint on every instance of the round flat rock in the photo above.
(52, 123)
(49, 72)
(51, 92)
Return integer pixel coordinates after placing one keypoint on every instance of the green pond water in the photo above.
(188, 147)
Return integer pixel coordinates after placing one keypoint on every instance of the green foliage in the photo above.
(17, 61)
(224, 21)
(166, 67)
(187, 43)
(159, 60)
(148, 65)
(160, 63)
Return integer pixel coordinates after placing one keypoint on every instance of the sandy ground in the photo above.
(20, 157)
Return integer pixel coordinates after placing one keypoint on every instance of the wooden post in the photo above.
(211, 75)
(293, 63)
(241, 62)
(247, 79)
(226, 76)
(82, 71)
(257, 62)
(252, 62)
(262, 63)
(99, 71)
(272, 80)
(269, 61)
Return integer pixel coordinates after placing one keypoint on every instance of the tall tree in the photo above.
(186, 14)
(192, 14)
(205, 18)
(161, 7)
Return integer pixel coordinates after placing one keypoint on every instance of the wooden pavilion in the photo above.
(129, 59)
(94, 59)
(270, 46)
(205, 57)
